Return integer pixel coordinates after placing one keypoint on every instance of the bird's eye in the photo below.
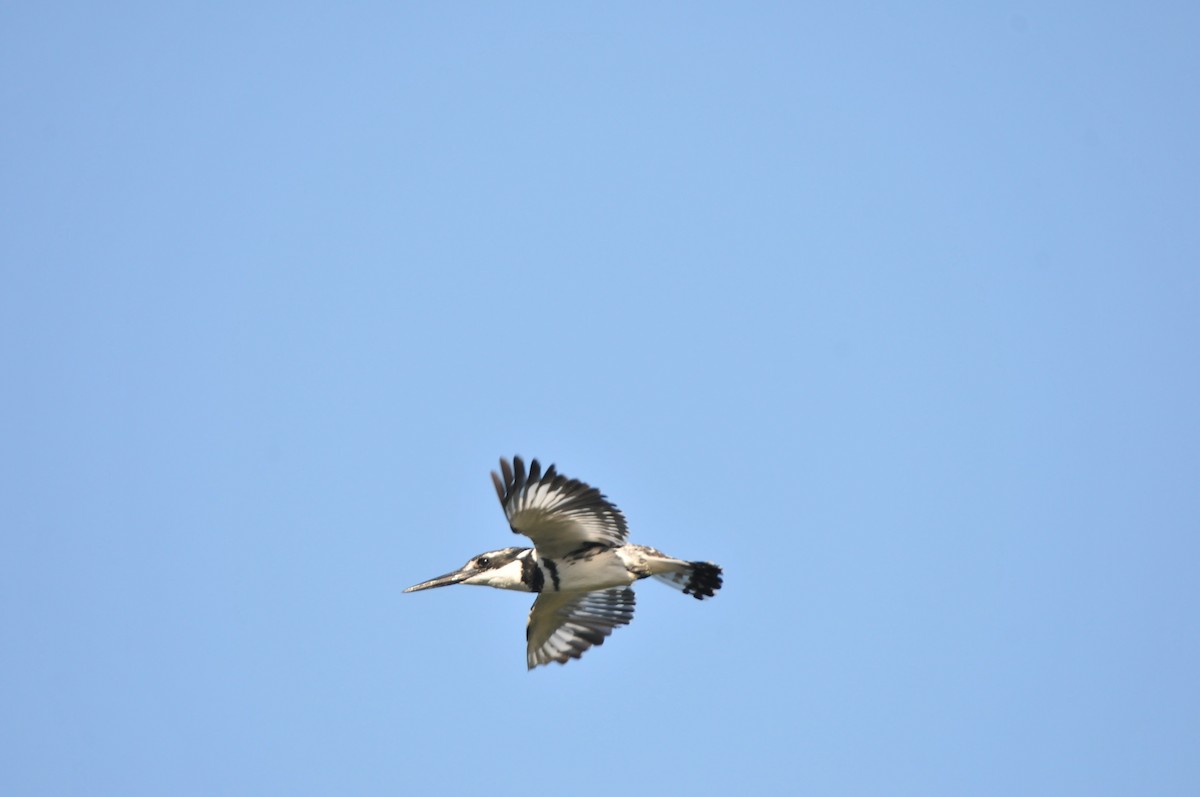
(483, 561)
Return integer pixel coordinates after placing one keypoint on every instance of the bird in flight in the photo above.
(580, 564)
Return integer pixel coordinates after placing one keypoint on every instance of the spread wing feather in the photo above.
(557, 513)
(562, 625)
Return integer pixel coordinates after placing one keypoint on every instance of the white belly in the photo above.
(603, 570)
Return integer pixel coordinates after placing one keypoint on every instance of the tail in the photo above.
(698, 579)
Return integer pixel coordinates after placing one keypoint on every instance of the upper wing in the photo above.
(562, 625)
(557, 513)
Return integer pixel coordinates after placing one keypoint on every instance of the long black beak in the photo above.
(444, 581)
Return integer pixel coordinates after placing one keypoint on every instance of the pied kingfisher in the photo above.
(580, 564)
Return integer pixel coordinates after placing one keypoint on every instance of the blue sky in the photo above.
(891, 311)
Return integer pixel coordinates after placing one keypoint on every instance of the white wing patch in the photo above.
(562, 625)
(557, 513)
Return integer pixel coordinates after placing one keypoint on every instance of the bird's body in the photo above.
(580, 564)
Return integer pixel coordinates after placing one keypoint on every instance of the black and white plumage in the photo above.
(557, 513)
(562, 625)
(581, 565)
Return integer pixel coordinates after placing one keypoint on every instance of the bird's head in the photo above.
(500, 569)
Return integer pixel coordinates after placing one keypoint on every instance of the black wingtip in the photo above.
(518, 480)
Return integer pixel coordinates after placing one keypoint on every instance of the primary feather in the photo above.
(559, 514)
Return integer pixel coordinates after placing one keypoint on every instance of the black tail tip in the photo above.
(704, 580)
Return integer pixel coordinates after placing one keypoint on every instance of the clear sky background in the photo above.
(894, 312)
